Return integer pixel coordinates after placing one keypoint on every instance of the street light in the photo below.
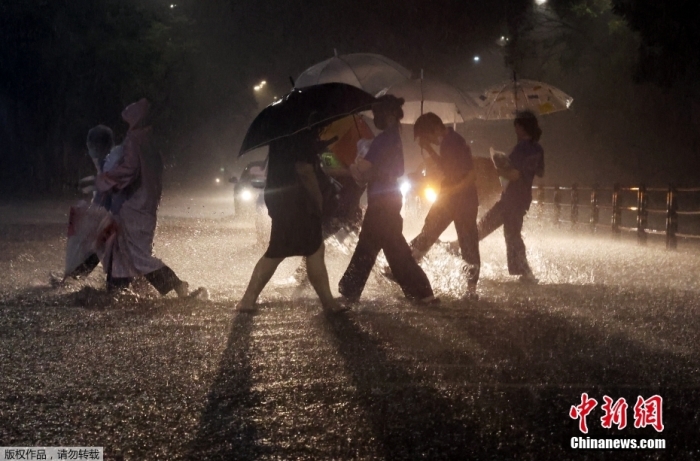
(476, 58)
(540, 2)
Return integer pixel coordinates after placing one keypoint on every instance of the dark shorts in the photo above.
(294, 233)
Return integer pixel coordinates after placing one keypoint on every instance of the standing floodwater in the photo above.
(167, 379)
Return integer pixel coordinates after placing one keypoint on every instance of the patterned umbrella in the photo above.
(501, 102)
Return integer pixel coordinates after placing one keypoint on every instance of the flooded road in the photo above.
(153, 378)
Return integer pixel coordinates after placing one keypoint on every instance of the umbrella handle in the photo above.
(515, 92)
(354, 119)
(421, 91)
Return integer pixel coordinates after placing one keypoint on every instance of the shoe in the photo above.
(429, 301)
(200, 293)
(182, 289)
(56, 280)
(336, 307)
(529, 278)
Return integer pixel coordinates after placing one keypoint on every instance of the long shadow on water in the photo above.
(524, 373)
(410, 419)
(227, 430)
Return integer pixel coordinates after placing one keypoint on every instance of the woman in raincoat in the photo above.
(128, 250)
(295, 203)
(526, 161)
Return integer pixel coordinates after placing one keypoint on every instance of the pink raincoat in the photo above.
(127, 245)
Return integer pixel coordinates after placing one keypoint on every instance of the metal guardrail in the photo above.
(641, 208)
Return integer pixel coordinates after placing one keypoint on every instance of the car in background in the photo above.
(247, 188)
(419, 190)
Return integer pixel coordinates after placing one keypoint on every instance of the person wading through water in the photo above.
(526, 161)
(382, 227)
(458, 201)
(295, 204)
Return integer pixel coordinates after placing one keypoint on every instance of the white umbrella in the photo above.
(501, 102)
(370, 72)
(426, 95)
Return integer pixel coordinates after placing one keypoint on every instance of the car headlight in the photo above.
(405, 187)
(246, 195)
(430, 194)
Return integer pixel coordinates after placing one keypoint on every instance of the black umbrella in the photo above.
(303, 108)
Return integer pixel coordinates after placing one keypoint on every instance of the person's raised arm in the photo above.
(424, 144)
(525, 166)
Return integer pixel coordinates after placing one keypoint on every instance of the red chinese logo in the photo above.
(614, 413)
(648, 413)
(581, 411)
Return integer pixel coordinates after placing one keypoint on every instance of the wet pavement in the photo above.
(152, 378)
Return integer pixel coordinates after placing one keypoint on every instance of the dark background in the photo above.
(67, 65)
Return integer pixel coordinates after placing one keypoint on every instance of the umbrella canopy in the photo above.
(426, 95)
(501, 102)
(371, 72)
(303, 108)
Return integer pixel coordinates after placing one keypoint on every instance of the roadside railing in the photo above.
(622, 201)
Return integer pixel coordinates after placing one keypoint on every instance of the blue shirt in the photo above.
(526, 158)
(386, 156)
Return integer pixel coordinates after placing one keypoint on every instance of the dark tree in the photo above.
(68, 65)
(670, 48)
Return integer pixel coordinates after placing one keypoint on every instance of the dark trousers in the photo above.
(164, 280)
(511, 218)
(349, 213)
(382, 229)
(86, 267)
(448, 209)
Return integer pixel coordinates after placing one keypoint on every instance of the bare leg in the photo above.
(318, 276)
(263, 272)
